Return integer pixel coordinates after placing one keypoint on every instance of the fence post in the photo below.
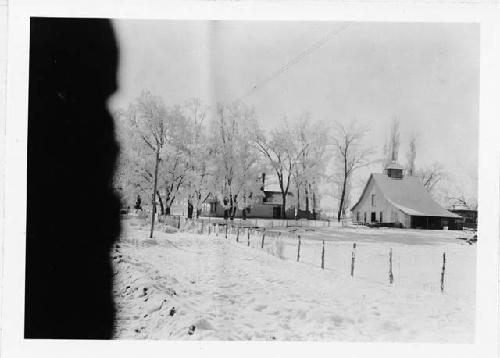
(298, 250)
(263, 236)
(238, 235)
(248, 237)
(442, 272)
(216, 230)
(391, 277)
(179, 222)
(353, 258)
(209, 229)
(202, 227)
(226, 230)
(323, 256)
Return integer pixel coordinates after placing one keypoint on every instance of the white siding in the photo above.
(390, 214)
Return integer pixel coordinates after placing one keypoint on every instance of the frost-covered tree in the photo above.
(309, 171)
(234, 161)
(199, 152)
(147, 123)
(174, 159)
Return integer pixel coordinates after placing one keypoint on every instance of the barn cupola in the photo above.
(394, 170)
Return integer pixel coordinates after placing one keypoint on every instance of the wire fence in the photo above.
(419, 267)
(179, 221)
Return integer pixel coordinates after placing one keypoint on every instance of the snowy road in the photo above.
(229, 291)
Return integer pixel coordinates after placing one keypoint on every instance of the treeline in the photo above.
(189, 153)
(193, 153)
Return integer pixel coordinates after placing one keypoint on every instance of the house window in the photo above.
(373, 199)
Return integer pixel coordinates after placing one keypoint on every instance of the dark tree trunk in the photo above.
(306, 194)
(313, 202)
(283, 208)
(342, 198)
(198, 209)
(298, 202)
(154, 191)
(231, 208)
(162, 208)
(168, 202)
(190, 210)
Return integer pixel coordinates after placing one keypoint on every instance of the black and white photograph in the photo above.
(298, 181)
(253, 180)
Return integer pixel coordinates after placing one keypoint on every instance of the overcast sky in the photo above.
(426, 75)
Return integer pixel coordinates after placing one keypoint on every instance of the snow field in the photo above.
(417, 260)
(229, 291)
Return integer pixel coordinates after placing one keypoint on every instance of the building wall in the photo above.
(259, 210)
(390, 214)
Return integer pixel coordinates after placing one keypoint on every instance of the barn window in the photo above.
(373, 199)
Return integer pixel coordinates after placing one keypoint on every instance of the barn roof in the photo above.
(408, 195)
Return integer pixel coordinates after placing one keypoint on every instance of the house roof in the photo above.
(272, 185)
(408, 195)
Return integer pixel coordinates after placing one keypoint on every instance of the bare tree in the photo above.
(411, 155)
(282, 153)
(351, 155)
(431, 175)
(463, 201)
(391, 146)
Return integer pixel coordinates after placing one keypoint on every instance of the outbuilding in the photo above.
(392, 199)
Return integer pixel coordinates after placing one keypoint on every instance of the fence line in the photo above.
(179, 220)
(214, 228)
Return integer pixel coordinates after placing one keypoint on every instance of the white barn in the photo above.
(391, 199)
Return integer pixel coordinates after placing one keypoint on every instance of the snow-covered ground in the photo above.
(229, 291)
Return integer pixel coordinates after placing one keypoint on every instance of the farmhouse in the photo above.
(267, 206)
(392, 199)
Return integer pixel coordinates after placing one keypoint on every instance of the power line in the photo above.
(296, 59)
